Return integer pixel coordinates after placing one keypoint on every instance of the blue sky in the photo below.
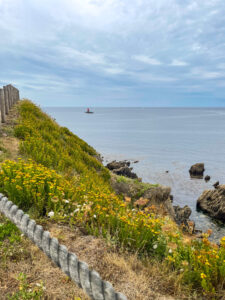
(114, 52)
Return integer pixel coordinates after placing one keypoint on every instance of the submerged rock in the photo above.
(207, 178)
(216, 184)
(213, 202)
(197, 170)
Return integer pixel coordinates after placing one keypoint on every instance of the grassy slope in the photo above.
(84, 184)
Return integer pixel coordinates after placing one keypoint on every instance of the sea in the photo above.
(161, 140)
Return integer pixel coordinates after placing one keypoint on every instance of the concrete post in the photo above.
(9, 87)
(6, 100)
(2, 105)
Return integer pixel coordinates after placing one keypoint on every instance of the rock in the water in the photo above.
(117, 164)
(125, 171)
(207, 178)
(197, 170)
(122, 168)
(213, 202)
(136, 161)
(216, 184)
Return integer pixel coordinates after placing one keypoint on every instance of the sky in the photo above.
(114, 52)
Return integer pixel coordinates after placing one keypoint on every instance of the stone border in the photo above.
(89, 280)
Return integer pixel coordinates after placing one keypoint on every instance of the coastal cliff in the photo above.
(55, 177)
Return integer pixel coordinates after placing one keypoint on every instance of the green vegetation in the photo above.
(60, 174)
(27, 291)
(138, 188)
(9, 231)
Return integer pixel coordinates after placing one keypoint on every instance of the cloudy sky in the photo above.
(114, 52)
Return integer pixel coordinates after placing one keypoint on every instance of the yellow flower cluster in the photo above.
(30, 184)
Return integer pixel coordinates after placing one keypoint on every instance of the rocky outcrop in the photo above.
(117, 164)
(213, 202)
(125, 171)
(122, 168)
(182, 215)
(197, 170)
(143, 195)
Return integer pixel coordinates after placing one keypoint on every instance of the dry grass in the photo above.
(125, 272)
(7, 140)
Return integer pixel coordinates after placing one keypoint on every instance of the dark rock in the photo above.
(182, 214)
(117, 164)
(160, 196)
(213, 202)
(197, 170)
(125, 171)
(136, 161)
(171, 198)
(182, 218)
(146, 193)
(167, 171)
(216, 184)
(207, 178)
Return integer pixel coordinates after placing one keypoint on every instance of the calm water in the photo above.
(160, 139)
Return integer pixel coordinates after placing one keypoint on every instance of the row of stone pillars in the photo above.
(9, 95)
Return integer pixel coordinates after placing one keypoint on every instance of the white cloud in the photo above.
(178, 63)
(76, 43)
(115, 70)
(147, 60)
(81, 57)
(202, 73)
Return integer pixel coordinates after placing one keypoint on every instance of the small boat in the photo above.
(88, 111)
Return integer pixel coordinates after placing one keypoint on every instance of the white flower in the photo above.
(181, 270)
(22, 235)
(170, 251)
(155, 246)
(76, 210)
(95, 216)
(67, 201)
(51, 214)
